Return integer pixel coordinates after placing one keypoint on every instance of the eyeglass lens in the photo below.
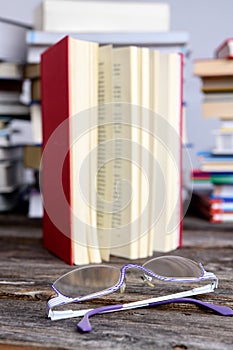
(87, 280)
(174, 266)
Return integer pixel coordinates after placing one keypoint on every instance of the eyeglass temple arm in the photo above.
(85, 326)
(58, 315)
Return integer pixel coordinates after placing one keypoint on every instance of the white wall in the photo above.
(18, 10)
(209, 22)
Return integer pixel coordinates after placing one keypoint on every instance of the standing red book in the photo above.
(66, 79)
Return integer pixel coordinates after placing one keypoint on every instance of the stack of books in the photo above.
(11, 153)
(12, 57)
(32, 151)
(31, 73)
(112, 150)
(11, 79)
(32, 161)
(212, 196)
(217, 86)
(116, 23)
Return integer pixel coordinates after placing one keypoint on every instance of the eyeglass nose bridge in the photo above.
(122, 281)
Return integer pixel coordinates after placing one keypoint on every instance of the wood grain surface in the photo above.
(27, 271)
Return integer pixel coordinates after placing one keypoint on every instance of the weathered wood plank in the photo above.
(158, 328)
(19, 347)
(27, 271)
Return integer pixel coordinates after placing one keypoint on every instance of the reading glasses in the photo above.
(92, 281)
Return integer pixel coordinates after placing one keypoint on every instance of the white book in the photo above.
(167, 151)
(131, 165)
(144, 139)
(10, 70)
(14, 109)
(34, 53)
(9, 96)
(175, 41)
(105, 164)
(171, 39)
(11, 175)
(126, 78)
(101, 16)
(35, 209)
(36, 121)
(12, 152)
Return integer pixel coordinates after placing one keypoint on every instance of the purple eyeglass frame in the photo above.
(85, 326)
(61, 299)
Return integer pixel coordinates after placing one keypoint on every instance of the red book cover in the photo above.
(55, 109)
(225, 50)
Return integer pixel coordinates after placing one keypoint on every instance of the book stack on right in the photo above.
(217, 87)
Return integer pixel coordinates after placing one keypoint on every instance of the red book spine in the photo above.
(55, 157)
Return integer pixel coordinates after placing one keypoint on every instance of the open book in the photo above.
(111, 163)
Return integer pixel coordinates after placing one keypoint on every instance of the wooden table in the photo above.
(27, 271)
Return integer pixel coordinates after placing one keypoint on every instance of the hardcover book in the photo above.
(101, 16)
(110, 185)
(213, 67)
